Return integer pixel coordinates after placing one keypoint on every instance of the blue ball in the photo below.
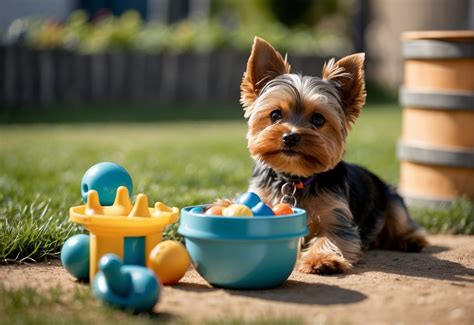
(262, 210)
(75, 256)
(105, 178)
(197, 210)
(249, 199)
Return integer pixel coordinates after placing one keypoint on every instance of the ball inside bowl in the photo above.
(243, 253)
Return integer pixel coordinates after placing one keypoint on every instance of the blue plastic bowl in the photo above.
(243, 253)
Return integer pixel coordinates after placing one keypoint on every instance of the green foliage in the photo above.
(457, 218)
(129, 33)
(32, 231)
(110, 33)
(180, 164)
(61, 306)
(58, 306)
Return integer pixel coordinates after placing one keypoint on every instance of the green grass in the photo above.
(60, 306)
(180, 163)
(56, 306)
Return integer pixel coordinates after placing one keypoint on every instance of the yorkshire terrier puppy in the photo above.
(297, 134)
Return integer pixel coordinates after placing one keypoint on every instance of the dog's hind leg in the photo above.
(400, 231)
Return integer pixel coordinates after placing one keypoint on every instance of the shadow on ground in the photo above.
(299, 292)
(422, 265)
(292, 291)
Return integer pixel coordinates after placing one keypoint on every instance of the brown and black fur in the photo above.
(349, 209)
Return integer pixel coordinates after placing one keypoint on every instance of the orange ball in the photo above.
(214, 211)
(282, 209)
(170, 261)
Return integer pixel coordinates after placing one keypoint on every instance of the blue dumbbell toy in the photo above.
(105, 178)
(130, 287)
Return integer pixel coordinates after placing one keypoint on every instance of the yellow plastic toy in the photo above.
(130, 232)
(170, 261)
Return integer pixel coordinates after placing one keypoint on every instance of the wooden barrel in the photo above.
(437, 144)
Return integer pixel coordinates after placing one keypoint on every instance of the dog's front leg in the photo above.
(336, 248)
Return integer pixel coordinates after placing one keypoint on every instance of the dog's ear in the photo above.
(264, 64)
(348, 75)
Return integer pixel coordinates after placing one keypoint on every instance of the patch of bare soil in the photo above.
(435, 286)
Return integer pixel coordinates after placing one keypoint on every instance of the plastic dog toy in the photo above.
(131, 287)
(105, 178)
(75, 256)
(170, 261)
(248, 204)
(237, 210)
(213, 211)
(128, 231)
(282, 209)
(249, 199)
(261, 210)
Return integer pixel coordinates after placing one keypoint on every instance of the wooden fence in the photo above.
(42, 77)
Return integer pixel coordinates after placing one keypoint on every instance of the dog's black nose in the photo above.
(291, 139)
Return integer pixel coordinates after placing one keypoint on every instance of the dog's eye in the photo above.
(275, 115)
(318, 120)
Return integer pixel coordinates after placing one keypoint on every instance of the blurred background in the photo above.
(82, 58)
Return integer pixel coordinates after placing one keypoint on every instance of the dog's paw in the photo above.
(413, 242)
(323, 264)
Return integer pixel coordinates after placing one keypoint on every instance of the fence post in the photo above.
(169, 76)
(11, 76)
(137, 77)
(46, 77)
(98, 73)
(152, 74)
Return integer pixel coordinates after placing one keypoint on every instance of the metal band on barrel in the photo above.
(433, 49)
(415, 201)
(453, 100)
(439, 157)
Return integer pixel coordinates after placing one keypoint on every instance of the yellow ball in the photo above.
(169, 260)
(237, 210)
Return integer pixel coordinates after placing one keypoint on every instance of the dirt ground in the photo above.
(435, 287)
